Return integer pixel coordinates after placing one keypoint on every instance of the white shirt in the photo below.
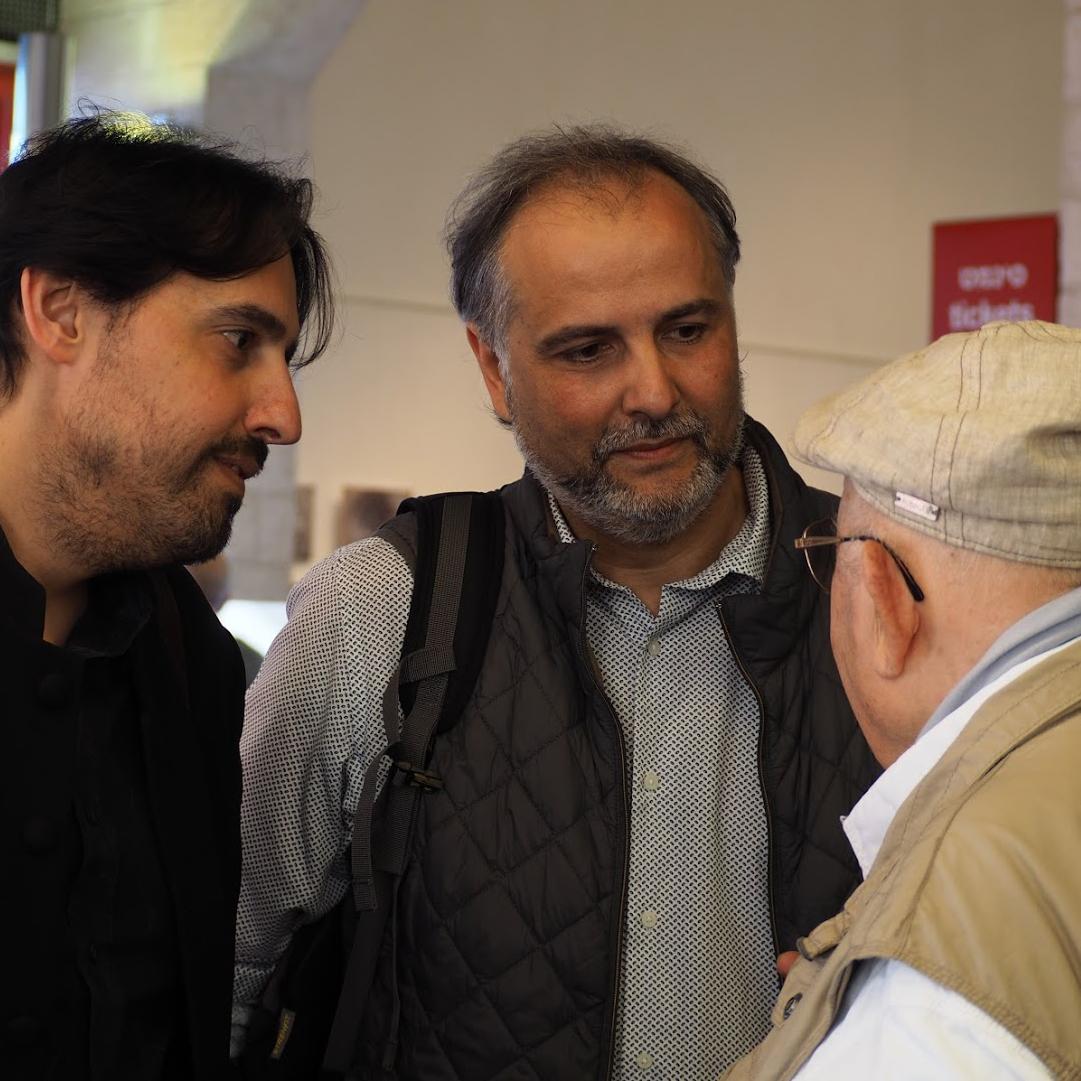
(895, 1022)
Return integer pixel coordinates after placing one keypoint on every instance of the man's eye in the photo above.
(241, 339)
(585, 354)
(687, 332)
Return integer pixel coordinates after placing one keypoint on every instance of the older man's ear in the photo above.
(896, 616)
(491, 371)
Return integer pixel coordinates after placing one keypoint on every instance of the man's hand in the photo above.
(786, 961)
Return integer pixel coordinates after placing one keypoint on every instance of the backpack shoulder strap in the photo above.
(453, 542)
(457, 560)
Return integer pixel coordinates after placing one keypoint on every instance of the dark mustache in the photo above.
(241, 446)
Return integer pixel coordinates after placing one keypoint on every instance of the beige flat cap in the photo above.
(975, 440)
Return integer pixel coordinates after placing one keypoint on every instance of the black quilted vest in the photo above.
(506, 937)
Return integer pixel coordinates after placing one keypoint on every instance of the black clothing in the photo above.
(120, 825)
(503, 950)
(815, 762)
(252, 660)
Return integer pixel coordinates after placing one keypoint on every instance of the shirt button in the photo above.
(54, 690)
(644, 1060)
(650, 781)
(790, 1006)
(649, 918)
(653, 647)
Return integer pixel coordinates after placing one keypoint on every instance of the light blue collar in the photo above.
(1051, 625)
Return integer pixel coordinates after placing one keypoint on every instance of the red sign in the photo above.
(7, 97)
(1000, 268)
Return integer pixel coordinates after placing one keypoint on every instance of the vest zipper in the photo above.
(770, 884)
(621, 911)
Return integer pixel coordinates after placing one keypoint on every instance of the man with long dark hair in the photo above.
(153, 291)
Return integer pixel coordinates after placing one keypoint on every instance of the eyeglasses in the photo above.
(819, 545)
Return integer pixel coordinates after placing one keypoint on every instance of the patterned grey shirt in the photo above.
(698, 977)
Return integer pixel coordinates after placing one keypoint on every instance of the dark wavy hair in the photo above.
(588, 155)
(118, 204)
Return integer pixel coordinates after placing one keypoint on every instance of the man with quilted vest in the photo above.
(955, 563)
(640, 802)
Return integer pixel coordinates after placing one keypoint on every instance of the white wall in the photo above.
(150, 55)
(1070, 203)
(843, 129)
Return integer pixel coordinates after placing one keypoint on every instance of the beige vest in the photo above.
(977, 885)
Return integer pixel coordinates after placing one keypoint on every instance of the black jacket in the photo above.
(815, 762)
(188, 686)
(503, 950)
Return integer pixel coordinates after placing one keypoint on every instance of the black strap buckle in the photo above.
(423, 779)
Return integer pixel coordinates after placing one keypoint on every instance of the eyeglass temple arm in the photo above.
(906, 574)
(817, 542)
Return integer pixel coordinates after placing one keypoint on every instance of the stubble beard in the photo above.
(107, 511)
(617, 509)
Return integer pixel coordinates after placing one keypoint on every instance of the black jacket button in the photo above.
(790, 1006)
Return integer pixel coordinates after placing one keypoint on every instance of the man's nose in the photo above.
(274, 416)
(651, 390)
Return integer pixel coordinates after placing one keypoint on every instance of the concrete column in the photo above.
(39, 94)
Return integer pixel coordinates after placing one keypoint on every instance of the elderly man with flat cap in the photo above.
(955, 567)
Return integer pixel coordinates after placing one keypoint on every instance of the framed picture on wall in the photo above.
(363, 510)
(302, 530)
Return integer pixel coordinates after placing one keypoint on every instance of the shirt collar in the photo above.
(1040, 630)
(746, 553)
(24, 598)
(867, 825)
(118, 606)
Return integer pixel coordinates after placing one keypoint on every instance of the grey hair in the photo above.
(584, 156)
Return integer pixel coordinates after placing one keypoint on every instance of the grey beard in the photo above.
(616, 509)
